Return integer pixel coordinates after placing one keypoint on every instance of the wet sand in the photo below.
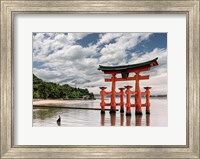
(58, 102)
(68, 104)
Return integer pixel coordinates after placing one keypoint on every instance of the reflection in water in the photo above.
(46, 117)
(128, 120)
(122, 119)
(59, 121)
(102, 119)
(148, 120)
(113, 120)
(45, 113)
(138, 120)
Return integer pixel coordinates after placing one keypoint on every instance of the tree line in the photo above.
(50, 90)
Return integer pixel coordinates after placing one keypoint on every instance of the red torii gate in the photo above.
(124, 70)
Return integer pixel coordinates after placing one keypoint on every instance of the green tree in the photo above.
(42, 89)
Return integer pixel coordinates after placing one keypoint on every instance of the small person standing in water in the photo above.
(59, 120)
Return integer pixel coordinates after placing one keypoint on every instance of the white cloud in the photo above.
(76, 36)
(115, 53)
(160, 53)
(106, 38)
(43, 43)
(47, 75)
(162, 60)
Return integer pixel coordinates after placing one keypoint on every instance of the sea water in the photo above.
(47, 117)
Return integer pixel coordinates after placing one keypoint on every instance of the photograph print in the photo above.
(99, 79)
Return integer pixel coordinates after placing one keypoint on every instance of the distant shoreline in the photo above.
(158, 96)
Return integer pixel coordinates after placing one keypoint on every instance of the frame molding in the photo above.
(11, 7)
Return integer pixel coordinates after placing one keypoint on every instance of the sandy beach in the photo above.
(57, 102)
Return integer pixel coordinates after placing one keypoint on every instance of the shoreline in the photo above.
(57, 102)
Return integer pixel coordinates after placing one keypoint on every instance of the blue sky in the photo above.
(73, 58)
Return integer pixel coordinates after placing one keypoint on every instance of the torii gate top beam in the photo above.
(125, 69)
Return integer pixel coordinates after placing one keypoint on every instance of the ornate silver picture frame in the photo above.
(11, 8)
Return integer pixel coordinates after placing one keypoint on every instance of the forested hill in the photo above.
(50, 90)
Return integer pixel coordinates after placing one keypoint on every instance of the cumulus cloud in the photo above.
(115, 53)
(106, 38)
(76, 36)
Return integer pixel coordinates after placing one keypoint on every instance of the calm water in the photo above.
(47, 117)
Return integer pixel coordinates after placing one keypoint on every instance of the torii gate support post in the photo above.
(138, 102)
(103, 93)
(121, 100)
(147, 99)
(113, 94)
(128, 100)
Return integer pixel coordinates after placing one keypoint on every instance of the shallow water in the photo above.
(47, 117)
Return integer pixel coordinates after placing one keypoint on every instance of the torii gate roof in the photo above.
(125, 68)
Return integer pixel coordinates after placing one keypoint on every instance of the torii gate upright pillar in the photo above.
(113, 94)
(147, 99)
(121, 100)
(138, 102)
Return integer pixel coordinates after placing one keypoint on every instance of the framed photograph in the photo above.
(100, 79)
